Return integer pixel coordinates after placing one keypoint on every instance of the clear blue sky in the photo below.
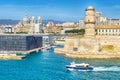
(64, 10)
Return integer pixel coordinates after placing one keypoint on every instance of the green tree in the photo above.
(79, 31)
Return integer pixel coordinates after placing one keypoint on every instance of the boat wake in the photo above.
(112, 68)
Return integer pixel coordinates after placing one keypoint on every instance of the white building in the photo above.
(113, 21)
(37, 28)
(68, 24)
(50, 24)
(7, 28)
(81, 24)
(100, 20)
(108, 30)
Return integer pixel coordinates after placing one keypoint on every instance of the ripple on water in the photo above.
(45, 65)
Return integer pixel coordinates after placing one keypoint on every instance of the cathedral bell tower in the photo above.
(90, 22)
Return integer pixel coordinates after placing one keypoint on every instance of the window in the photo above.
(88, 20)
(75, 49)
(109, 30)
(99, 30)
(106, 30)
(102, 30)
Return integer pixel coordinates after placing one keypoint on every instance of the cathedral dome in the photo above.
(26, 19)
(90, 8)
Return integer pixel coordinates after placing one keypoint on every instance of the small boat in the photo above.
(82, 67)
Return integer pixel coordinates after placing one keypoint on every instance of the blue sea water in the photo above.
(45, 65)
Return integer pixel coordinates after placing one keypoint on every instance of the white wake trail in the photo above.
(112, 68)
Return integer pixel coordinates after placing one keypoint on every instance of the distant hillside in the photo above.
(8, 21)
(13, 22)
(55, 21)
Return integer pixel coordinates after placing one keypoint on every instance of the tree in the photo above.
(78, 31)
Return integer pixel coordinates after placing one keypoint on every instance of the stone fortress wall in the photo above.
(91, 45)
(99, 44)
(99, 47)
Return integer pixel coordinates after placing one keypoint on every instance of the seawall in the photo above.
(73, 54)
(91, 47)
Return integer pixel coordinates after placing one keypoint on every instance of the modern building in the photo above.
(81, 24)
(113, 21)
(48, 39)
(7, 28)
(19, 44)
